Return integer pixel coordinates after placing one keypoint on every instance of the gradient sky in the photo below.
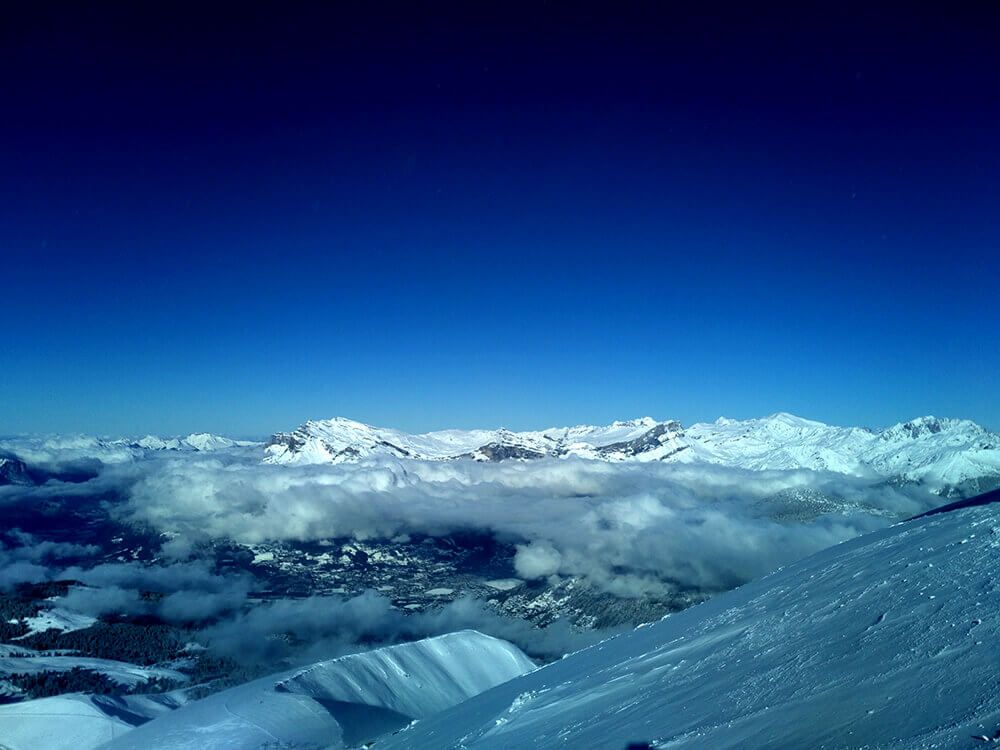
(528, 215)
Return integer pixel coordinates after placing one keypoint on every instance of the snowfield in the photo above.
(77, 722)
(891, 640)
(56, 618)
(339, 703)
(63, 722)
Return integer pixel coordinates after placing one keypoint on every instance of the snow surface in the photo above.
(943, 454)
(890, 640)
(338, 703)
(76, 721)
(70, 722)
(56, 619)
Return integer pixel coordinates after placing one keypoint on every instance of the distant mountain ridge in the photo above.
(950, 456)
(46, 451)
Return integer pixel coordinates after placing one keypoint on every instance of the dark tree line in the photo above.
(76, 680)
(14, 608)
(82, 680)
(144, 644)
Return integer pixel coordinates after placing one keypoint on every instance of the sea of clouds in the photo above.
(630, 529)
(627, 528)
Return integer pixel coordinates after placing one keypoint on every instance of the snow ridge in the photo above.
(339, 703)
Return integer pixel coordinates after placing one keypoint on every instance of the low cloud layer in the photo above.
(184, 592)
(627, 528)
(285, 631)
(326, 627)
(26, 559)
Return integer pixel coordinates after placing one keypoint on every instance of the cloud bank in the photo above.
(186, 592)
(26, 559)
(629, 529)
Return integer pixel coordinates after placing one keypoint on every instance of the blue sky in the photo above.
(456, 220)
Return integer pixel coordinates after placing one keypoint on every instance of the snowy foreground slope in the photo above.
(337, 703)
(75, 721)
(953, 456)
(889, 640)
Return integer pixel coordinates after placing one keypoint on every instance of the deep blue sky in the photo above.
(530, 215)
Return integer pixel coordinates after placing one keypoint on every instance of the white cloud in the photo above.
(26, 559)
(628, 528)
(536, 560)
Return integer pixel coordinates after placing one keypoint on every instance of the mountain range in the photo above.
(19, 456)
(949, 456)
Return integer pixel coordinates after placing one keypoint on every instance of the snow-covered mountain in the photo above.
(197, 441)
(332, 704)
(339, 703)
(49, 452)
(948, 455)
(889, 640)
(13, 471)
(338, 440)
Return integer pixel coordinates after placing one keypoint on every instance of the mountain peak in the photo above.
(925, 426)
(640, 422)
(792, 419)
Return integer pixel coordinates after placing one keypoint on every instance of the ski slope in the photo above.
(891, 640)
(338, 703)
